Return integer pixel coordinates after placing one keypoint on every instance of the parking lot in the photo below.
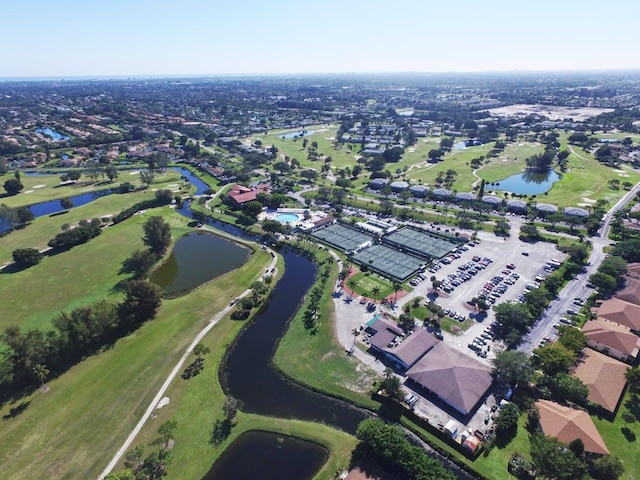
(483, 269)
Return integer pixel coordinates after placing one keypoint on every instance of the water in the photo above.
(301, 133)
(201, 186)
(459, 146)
(248, 374)
(53, 206)
(268, 456)
(287, 218)
(53, 134)
(197, 258)
(527, 183)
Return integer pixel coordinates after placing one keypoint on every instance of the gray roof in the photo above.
(378, 182)
(399, 185)
(419, 189)
(517, 204)
(466, 196)
(442, 192)
(493, 200)
(456, 378)
(546, 207)
(576, 212)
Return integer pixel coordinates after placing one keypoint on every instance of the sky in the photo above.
(113, 38)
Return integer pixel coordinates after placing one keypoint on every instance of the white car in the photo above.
(410, 399)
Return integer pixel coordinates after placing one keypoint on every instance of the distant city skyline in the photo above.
(155, 38)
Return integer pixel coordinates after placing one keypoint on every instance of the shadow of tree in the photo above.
(17, 410)
(628, 434)
(220, 432)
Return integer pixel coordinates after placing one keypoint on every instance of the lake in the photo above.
(268, 456)
(527, 183)
(197, 258)
(53, 134)
(301, 133)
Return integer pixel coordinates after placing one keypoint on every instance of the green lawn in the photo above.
(42, 188)
(367, 281)
(72, 430)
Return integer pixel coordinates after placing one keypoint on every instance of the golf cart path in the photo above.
(152, 406)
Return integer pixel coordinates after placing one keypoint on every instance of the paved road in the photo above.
(178, 367)
(576, 287)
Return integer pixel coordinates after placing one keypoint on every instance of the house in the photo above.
(633, 270)
(612, 339)
(631, 290)
(378, 183)
(456, 378)
(239, 195)
(621, 312)
(604, 377)
(568, 424)
(441, 193)
(465, 197)
(492, 200)
(399, 186)
(383, 332)
(411, 349)
(517, 206)
(419, 191)
(545, 208)
(575, 212)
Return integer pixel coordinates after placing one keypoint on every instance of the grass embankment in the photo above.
(366, 282)
(316, 360)
(72, 430)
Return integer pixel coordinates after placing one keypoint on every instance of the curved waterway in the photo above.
(248, 372)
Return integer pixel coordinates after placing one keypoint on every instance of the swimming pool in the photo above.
(287, 218)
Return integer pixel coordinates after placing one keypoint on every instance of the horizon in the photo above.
(164, 38)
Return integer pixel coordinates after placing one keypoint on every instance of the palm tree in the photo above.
(352, 284)
(40, 371)
(376, 291)
(397, 286)
(355, 332)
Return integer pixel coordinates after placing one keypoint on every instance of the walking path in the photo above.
(152, 406)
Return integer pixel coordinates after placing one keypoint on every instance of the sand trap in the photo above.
(588, 200)
(163, 402)
(39, 186)
(28, 191)
(521, 144)
(154, 189)
(623, 174)
(330, 138)
(505, 159)
(411, 149)
(135, 172)
(172, 185)
(584, 204)
(175, 190)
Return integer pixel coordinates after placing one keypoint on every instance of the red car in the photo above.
(511, 266)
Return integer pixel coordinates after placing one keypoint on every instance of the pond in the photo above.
(197, 258)
(301, 133)
(53, 134)
(268, 456)
(527, 183)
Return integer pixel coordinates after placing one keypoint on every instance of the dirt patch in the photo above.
(549, 111)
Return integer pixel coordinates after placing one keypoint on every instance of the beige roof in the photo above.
(621, 312)
(567, 424)
(603, 376)
(613, 335)
(631, 291)
(458, 379)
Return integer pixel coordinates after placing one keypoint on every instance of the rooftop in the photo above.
(613, 335)
(603, 376)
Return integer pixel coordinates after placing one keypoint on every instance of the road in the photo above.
(177, 369)
(576, 287)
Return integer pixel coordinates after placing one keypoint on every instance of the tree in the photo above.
(375, 291)
(397, 287)
(633, 378)
(157, 235)
(74, 175)
(166, 431)
(201, 350)
(512, 367)
(133, 458)
(111, 172)
(553, 358)
(607, 467)
(147, 176)
(273, 226)
(572, 338)
(392, 387)
(550, 457)
(606, 283)
(282, 167)
(230, 407)
(27, 257)
(13, 186)
(8, 216)
(141, 302)
(628, 418)
(507, 421)
(41, 373)
(514, 319)
(567, 387)
(140, 263)
(66, 203)
(23, 215)
(614, 266)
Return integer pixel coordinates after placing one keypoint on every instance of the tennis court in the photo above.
(419, 242)
(342, 237)
(389, 262)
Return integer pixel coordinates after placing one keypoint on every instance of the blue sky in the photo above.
(208, 37)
